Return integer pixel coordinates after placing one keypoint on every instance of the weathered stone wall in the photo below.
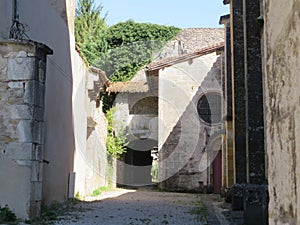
(90, 130)
(22, 91)
(137, 113)
(282, 83)
(66, 119)
(47, 23)
(184, 144)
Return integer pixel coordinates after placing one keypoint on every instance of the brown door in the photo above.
(217, 173)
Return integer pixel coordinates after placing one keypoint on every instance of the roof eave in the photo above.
(186, 57)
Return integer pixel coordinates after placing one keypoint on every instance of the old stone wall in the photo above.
(184, 139)
(137, 114)
(90, 130)
(69, 110)
(282, 66)
(22, 93)
(46, 22)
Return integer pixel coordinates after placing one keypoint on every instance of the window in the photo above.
(209, 108)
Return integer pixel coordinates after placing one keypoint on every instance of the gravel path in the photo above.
(136, 207)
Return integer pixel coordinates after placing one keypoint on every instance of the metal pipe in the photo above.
(16, 10)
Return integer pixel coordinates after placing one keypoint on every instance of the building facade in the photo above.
(64, 130)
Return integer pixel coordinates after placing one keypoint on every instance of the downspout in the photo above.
(15, 11)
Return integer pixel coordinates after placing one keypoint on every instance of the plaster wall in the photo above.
(90, 130)
(183, 137)
(282, 66)
(66, 146)
(47, 24)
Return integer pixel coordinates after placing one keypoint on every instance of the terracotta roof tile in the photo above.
(181, 58)
(129, 87)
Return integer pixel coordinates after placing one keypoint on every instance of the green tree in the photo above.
(90, 28)
(131, 46)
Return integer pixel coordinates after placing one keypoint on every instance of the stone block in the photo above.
(3, 69)
(36, 171)
(37, 152)
(15, 93)
(15, 54)
(38, 132)
(25, 163)
(18, 151)
(24, 131)
(36, 193)
(22, 112)
(237, 197)
(15, 85)
(38, 114)
(256, 204)
(34, 93)
(42, 72)
(35, 209)
(21, 69)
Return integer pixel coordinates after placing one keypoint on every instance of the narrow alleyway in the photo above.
(144, 206)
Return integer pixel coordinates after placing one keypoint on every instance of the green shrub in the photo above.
(115, 144)
(6, 215)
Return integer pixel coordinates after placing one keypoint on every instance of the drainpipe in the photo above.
(17, 29)
(15, 11)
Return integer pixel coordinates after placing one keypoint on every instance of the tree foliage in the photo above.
(90, 27)
(131, 46)
(120, 50)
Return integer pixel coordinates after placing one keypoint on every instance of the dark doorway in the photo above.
(139, 160)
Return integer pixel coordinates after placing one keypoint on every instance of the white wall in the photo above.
(182, 135)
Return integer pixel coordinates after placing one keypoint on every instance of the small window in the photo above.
(209, 108)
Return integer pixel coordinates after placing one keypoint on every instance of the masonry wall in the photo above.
(185, 155)
(137, 114)
(22, 91)
(90, 130)
(282, 66)
(47, 23)
(67, 105)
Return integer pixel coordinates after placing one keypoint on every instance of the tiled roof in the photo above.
(189, 40)
(181, 58)
(129, 87)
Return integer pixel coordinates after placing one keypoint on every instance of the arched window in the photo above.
(209, 108)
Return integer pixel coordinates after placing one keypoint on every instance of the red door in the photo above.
(217, 173)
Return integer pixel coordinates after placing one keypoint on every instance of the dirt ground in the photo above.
(149, 207)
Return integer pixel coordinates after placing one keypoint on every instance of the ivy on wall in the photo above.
(115, 143)
(131, 46)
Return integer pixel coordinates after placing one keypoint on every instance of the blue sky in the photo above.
(180, 13)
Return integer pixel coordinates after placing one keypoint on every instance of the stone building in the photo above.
(190, 67)
(51, 118)
(190, 124)
(261, 100)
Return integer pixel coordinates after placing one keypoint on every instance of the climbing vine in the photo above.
(115, 143)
